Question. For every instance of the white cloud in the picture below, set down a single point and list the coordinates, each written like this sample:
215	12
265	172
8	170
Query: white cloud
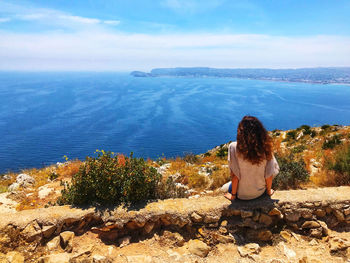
99	50
4	19
79	19
112	22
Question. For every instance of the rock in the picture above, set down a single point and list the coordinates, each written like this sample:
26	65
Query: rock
289	253
224	223
5	177
56	258
292	215
265	235
44	191
175	256
14	257
100	259
124	241
339	215
347	211
67	240
265	219
336	244
212	218
175	237
245	213
224	239
13	187
198	248
196	218
32	232
223	230
324	227
316	232
25	180
310	259
306	213
285	235
48	230
275	260
54	243
276	212
313	242
320	213
310	224
149	227
256	216
249	249
139	259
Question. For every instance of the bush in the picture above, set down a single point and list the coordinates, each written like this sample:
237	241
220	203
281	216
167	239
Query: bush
291	135
341	165
110	180
168	189
332	142
298	149
291	174
222	152
325	127
190	158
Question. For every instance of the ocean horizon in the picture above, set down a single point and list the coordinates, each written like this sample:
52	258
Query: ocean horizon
46	115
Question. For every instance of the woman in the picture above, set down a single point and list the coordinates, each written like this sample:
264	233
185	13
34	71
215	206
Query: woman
251	162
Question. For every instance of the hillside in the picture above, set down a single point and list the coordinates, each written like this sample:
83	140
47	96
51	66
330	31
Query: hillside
311	75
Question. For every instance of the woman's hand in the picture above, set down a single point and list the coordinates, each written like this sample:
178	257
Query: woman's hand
230	196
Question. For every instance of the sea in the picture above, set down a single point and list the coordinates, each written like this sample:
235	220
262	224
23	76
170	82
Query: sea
44	116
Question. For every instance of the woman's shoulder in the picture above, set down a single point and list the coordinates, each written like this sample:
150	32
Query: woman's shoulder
232	145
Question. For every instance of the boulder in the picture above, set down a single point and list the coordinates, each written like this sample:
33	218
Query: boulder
310	224
198	248
13	187
265	219
56	258
25	180
292	215
48	230
32	231
196	217
53	244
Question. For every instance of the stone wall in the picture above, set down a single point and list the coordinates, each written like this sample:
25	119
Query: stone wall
310	212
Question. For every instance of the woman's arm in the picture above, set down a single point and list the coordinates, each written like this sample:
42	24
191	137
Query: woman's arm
231	196
269	190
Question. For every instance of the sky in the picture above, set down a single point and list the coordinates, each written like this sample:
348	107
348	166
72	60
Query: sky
124	35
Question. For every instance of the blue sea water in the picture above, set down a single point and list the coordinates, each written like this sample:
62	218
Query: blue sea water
44	116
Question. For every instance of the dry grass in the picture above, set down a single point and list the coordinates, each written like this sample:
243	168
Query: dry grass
219	178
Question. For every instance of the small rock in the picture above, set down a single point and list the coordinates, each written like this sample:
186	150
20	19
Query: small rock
310	224
245	213
224	223
56	258
316	232
324	227
224	239
44	191
320	213
14	257
48	230
289	253
292	216
211	218
347	211
100	259
256	216
149	227
13	187
275	260
32	231
276	212
196	218
175	237
285	235
265	235
139	259
198	248
249	249
53	244
336	244
339	215
124	241
313	242
67	240
306	213
265	219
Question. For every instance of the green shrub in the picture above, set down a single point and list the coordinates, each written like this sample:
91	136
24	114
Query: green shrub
325	127
332	142
298	149
110	180
222	152
291	174
291	135
207	154
341	165
190	158
313	133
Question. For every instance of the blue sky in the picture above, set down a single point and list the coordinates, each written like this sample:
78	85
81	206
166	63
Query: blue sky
142	34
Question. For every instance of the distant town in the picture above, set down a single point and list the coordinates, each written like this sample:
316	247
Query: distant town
335	75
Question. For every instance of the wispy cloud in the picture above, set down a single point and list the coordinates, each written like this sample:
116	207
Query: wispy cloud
49	17
115	51
4	19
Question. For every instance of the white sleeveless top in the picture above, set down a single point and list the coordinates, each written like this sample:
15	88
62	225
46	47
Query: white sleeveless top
251	176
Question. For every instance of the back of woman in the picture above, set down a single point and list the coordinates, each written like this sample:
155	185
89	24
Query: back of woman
251	161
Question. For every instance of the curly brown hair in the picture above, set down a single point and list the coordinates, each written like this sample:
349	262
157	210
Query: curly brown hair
253	141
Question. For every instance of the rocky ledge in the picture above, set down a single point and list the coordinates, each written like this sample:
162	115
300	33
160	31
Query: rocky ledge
211	219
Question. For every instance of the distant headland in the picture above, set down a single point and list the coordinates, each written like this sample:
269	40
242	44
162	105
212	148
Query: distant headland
329	75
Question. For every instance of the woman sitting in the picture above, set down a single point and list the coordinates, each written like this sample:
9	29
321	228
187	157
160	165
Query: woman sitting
251	162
